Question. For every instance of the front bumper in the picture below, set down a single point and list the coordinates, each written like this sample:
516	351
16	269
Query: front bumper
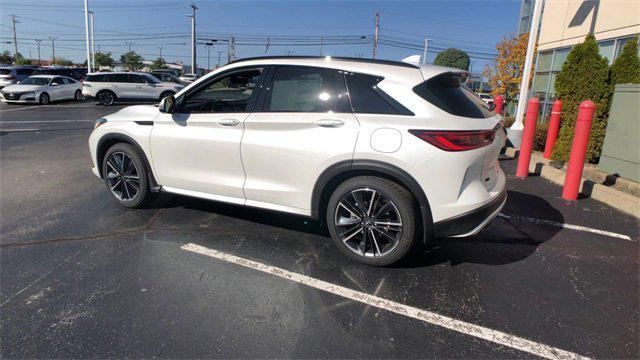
471	222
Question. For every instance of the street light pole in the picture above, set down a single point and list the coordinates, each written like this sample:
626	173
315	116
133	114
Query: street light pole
93	44
160	47
86	34
219	53
38	42
514	133
424	56
193	39
53	49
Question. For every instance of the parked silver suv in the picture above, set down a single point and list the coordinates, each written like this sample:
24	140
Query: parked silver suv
12	74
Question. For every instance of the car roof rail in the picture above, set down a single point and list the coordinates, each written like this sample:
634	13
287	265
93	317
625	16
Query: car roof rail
354	59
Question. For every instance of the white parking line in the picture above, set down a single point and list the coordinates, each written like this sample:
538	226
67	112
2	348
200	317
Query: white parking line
463	327
43	121
22	108
565	226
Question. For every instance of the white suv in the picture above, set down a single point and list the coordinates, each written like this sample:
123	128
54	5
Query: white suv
388	154
109	88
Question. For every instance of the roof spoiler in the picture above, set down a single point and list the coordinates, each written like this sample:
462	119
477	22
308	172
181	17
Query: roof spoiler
413	60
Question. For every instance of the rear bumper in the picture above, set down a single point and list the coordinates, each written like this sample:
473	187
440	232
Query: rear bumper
471	222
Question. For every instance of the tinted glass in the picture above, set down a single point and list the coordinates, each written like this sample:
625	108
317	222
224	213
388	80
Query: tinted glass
445	92
24	71
365	95
5	72
99	78
303	89
120	78
57	80
138	79
230	93
35	81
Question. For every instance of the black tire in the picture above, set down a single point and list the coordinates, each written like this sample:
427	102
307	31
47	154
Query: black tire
143	194
106	97
166	94
44	99
78	95
393	200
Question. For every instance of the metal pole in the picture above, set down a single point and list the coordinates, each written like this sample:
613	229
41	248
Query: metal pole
375	34
321	46
424	55
93	44
38	42
129	44
219	53
86	34
194	66
515	131
208	57
160	47
53	50
15	39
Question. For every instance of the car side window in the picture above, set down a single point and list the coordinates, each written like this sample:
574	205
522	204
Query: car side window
367	98
307	89
228	94
57	80
137	79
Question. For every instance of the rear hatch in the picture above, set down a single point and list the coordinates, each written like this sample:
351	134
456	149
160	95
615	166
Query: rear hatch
476	125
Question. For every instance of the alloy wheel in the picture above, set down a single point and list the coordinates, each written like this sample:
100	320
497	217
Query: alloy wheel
123	176
106	98
368	222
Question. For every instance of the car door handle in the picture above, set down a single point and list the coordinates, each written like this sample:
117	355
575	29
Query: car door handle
329	123
228	122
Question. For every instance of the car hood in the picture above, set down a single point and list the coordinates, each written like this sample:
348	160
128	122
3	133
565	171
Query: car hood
134	113
22	88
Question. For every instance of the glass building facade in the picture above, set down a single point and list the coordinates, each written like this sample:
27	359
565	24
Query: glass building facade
549	63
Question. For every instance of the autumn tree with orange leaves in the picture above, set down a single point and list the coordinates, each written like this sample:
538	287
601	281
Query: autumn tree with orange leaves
505	73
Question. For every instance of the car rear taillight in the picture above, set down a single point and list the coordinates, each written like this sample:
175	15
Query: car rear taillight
452	140
10	78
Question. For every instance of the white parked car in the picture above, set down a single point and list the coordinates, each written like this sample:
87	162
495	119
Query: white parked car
189	77
486	98
42	89
111	87
388	154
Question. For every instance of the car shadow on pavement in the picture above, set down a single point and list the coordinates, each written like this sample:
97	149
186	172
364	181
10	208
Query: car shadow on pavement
504	241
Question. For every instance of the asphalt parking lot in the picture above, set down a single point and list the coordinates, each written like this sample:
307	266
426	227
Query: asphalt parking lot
81	277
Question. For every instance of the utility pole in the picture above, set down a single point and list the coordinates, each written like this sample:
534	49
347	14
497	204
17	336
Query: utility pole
53	49
93	44
15	39
376	32
209	46
219	53
321	46
86	33
194	66
129	44
424	55
38	42
160	47
514	133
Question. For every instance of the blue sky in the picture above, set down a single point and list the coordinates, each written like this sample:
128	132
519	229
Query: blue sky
474	26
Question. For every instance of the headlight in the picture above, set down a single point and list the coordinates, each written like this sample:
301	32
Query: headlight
99	122
29	93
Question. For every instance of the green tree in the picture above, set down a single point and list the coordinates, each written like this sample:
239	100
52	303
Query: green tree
63	62
626	68
131	61
6	58
454	58
584	76
23	61
158	63
104	59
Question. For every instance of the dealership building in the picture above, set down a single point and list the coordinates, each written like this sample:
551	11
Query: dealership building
565	23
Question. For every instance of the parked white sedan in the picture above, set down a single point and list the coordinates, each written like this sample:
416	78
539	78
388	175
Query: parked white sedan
42	89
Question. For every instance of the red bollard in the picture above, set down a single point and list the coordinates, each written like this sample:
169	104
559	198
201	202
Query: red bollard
498	101
554	126
578	150
528	135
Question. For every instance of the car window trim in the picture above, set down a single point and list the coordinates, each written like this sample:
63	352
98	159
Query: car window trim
252	99
261	107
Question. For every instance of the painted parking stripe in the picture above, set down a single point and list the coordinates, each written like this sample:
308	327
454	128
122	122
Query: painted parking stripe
463	327
565	226
22	108
43	121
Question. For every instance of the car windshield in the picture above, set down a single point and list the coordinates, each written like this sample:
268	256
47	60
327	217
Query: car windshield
35	81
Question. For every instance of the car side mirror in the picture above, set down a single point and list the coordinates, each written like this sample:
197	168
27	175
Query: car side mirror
54	84
168	105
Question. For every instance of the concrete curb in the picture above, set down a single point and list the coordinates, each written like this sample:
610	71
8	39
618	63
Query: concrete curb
620	200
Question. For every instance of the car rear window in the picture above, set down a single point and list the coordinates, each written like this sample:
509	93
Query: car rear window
5	72
446	92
